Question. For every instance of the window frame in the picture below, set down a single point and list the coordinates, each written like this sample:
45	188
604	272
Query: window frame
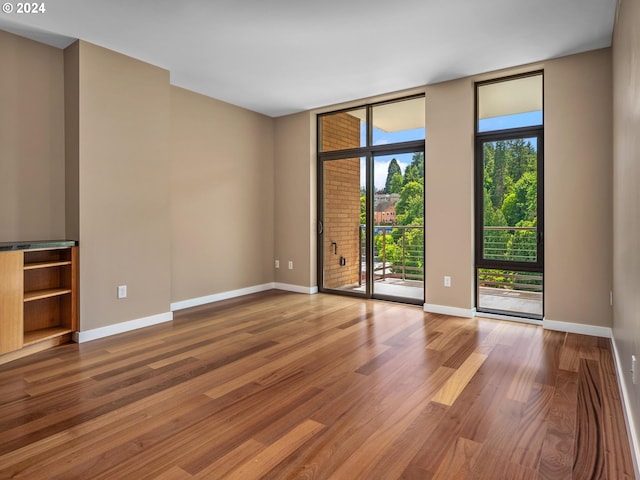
480	138
369	152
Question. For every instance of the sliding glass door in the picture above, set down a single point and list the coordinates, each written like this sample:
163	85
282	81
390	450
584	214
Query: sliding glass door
371	201
398	226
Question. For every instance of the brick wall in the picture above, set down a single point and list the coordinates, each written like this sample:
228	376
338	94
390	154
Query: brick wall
341	202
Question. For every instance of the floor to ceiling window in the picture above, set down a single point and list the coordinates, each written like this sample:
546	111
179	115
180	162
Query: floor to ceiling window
509	194
371	200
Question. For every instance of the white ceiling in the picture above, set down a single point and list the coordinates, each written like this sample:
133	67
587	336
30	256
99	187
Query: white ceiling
283	56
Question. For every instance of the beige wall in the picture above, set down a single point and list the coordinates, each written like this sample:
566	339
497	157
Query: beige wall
127	133
124	214
449	194
626	195
72	140
295	199
32	164
577	182
222	196
578	188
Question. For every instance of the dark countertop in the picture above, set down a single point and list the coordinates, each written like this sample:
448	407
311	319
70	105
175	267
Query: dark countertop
5	246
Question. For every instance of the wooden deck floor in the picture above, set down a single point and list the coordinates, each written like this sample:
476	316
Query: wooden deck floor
282	385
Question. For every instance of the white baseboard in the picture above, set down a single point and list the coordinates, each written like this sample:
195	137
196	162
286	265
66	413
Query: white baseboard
453	311
628	414
94	334
581	328
216	297
296	288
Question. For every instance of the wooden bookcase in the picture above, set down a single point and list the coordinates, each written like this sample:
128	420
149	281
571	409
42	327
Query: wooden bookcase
39	298
49	293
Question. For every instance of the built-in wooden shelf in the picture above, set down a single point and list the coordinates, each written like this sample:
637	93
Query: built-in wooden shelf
36	336
33	266
40	294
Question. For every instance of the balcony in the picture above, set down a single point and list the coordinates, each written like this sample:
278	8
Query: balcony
510	292
398	262
398	267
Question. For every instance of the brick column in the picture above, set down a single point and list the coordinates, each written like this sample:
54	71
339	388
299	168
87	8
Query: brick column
341	202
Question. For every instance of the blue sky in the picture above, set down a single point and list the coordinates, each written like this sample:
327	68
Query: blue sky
381	165
526	119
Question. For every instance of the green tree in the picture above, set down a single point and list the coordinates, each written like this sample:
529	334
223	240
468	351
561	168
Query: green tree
393	169
410	206
415	170
396	183
522	243
413	241
500	182
520	205
505	162
388	250
522	158
493	217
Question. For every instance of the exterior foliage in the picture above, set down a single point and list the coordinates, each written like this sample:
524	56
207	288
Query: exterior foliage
392	171
510	199
401	247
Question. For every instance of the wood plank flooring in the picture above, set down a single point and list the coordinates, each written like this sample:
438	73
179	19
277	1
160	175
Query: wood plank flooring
281	385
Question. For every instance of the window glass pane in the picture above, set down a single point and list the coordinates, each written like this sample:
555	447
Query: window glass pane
343	130
344	224
398	230
401	121
510	200
510	292
510	104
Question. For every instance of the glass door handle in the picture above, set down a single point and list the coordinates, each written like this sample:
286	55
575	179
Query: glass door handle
320	227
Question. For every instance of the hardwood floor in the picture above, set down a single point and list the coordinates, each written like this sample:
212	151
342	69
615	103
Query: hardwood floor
281	385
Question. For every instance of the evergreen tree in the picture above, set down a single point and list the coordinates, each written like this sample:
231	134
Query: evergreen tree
500	183
393	169
522	158
520	205
397	181
415	170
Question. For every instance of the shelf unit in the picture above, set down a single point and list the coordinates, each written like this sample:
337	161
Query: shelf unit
49	293
38	298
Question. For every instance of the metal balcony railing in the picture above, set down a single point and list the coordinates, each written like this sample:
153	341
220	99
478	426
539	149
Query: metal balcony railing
514	244
523	282
398	252
510	243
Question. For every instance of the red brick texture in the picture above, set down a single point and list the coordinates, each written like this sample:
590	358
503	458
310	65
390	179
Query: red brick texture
341	202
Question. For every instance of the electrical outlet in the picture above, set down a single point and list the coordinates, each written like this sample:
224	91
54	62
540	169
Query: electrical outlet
634	370
447	281
122	291
290	264
277	263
